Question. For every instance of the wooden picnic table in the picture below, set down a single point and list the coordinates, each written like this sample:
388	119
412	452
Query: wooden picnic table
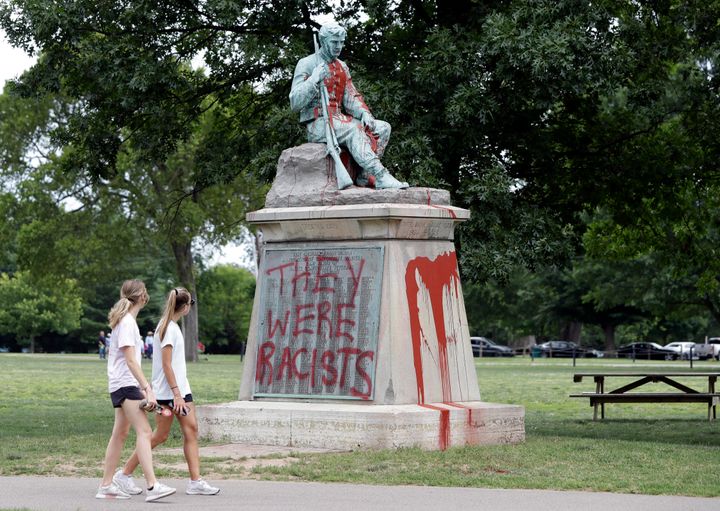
621	394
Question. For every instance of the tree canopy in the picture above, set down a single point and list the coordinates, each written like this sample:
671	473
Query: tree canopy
534	113
33	308
228	293
529	111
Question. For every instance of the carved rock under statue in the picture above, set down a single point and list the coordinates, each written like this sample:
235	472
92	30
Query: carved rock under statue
358	336
306	177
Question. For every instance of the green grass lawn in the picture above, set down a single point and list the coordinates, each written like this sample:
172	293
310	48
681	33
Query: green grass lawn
55	418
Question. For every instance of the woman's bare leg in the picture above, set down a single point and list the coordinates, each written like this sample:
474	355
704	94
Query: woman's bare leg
143	447
120	431
159	436
189	427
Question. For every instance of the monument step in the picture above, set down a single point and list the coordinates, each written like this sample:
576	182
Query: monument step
334	425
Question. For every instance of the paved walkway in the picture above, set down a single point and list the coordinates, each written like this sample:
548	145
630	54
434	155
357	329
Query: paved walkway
77	494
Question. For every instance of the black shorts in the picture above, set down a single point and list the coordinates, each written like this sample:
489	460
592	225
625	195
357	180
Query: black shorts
123	393
169	402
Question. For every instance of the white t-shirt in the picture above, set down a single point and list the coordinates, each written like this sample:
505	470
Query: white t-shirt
125	333
174	338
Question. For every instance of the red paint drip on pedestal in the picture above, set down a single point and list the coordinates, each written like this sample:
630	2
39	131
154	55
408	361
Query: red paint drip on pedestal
449	211
439	277
464	407
444	436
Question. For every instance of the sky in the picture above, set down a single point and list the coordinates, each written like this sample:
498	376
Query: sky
12	61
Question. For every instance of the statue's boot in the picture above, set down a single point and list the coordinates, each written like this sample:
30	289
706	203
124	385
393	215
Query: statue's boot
365	179
383	179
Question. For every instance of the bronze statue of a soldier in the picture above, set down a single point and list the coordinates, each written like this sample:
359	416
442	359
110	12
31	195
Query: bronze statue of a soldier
331	107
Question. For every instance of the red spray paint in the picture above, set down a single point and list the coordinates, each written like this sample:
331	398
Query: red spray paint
464	407
448	210
444	435
439	277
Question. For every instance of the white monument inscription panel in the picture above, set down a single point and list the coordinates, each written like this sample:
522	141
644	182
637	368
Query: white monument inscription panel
318	323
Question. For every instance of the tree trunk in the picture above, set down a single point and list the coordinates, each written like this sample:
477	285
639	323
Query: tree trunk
571	331
32	344
609	331
184	267
712	307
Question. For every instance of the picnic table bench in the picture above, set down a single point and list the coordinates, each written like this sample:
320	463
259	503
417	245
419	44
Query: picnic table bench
621	394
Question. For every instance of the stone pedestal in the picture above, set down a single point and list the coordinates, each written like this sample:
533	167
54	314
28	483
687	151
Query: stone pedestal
359	337
345	426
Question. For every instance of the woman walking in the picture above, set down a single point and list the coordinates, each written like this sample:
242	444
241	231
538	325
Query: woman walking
128	387
169	378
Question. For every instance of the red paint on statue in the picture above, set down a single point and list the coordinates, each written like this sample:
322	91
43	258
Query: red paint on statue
335	84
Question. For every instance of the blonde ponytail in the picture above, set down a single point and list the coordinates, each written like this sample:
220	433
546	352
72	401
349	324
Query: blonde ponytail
131	292
176	299
119	310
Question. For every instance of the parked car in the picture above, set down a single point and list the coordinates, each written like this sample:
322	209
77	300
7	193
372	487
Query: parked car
646	350
710	349
483	347
564	349
684	350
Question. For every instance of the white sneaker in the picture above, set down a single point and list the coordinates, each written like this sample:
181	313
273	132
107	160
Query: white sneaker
111	491
159	491
126	483
201	487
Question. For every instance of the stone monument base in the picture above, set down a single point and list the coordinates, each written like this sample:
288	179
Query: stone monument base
350	426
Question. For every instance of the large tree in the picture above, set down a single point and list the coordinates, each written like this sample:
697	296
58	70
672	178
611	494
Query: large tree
103	230
165	198
416	61
600	292
31	307
530	111
679	238
228	293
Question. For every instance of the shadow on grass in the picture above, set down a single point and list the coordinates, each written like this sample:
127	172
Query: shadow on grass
666	431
